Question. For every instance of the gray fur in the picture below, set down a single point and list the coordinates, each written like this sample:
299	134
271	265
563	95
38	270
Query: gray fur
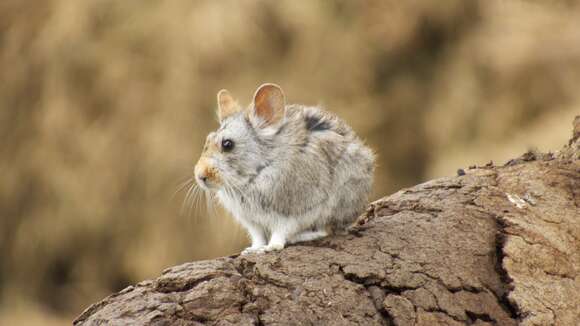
309	176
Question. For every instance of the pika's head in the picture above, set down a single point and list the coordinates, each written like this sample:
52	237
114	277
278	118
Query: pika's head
235	154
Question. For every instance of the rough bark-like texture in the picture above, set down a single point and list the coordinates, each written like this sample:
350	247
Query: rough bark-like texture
498	245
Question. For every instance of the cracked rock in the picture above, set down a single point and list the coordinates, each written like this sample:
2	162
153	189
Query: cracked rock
452	251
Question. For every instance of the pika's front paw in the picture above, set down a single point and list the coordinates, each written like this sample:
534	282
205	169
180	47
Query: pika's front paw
253	250
262	249
273	247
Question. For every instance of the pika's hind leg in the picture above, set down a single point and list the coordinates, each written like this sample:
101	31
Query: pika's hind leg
353	185
308	236
352	201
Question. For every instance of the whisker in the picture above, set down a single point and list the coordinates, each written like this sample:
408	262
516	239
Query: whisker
186	199
208	202
182	186
192	200
193	203
215	202
196	201
233	188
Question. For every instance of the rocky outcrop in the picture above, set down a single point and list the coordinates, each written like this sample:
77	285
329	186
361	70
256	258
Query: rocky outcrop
494	245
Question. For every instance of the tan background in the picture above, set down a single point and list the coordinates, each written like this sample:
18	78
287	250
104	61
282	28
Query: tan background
104	106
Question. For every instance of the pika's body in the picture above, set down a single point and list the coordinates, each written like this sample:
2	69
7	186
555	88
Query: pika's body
287	173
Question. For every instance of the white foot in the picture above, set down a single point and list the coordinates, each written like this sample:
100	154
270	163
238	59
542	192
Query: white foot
262	249
253	250
273	247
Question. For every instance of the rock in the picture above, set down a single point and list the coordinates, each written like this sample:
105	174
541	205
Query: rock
498	245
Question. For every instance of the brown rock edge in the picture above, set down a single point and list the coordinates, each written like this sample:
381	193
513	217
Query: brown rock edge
496	245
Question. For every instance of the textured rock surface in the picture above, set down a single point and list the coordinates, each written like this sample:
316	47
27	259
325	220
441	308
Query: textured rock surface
498	245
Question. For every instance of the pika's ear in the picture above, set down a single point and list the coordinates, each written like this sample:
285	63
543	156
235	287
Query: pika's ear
269	104
226	105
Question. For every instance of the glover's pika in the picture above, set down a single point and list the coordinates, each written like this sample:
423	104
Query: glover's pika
287	173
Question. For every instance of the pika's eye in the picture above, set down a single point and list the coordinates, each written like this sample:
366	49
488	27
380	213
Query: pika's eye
227	145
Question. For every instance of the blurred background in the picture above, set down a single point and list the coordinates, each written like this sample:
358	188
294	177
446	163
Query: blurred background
104	108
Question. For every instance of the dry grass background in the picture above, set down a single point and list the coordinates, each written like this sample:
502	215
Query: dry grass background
104	106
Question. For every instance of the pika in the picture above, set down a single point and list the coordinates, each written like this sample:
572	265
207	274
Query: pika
287	173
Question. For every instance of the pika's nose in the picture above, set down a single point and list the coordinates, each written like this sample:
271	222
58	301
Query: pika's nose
204	173
201	176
